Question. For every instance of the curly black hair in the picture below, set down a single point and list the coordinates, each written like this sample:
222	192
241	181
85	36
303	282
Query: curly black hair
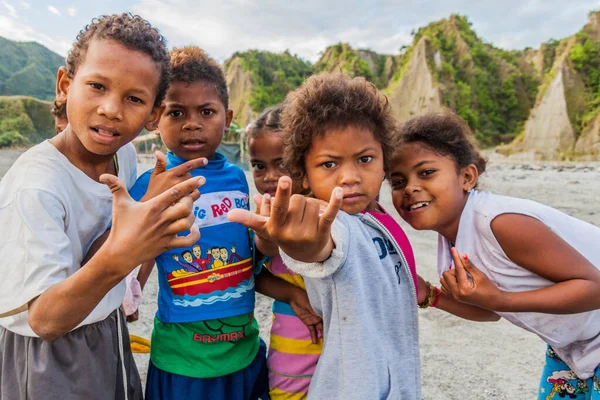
133	32
268	121
191	64
329	101
446	134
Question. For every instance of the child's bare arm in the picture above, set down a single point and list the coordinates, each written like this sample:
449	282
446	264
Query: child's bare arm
463	310
269	285
144	273
140	231
536	248
278	289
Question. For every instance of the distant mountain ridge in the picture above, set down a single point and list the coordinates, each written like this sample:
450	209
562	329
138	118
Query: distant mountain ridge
544	102
28	69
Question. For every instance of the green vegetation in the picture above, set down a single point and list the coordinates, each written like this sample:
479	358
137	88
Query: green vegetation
24	120
483	84
585	59
273	75
342	57
27	69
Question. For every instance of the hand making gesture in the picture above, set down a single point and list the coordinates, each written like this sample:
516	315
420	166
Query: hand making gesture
467	284
162	179
296	223
141	231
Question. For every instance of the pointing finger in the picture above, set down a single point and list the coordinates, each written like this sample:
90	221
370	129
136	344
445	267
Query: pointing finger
174	194
461	274
332	209
248	219
280	206
189	166
161	163
186	241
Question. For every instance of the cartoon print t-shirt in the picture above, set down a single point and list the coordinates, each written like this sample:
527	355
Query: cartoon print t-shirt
213	278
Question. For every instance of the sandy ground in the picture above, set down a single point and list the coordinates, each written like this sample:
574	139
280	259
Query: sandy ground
459	359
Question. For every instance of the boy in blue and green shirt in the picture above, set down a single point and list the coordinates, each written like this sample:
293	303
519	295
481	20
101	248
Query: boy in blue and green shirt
205	341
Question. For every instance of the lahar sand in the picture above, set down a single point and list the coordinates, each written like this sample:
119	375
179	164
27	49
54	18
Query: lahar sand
459	359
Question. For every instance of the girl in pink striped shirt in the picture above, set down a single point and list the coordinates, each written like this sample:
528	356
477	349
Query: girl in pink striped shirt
294	350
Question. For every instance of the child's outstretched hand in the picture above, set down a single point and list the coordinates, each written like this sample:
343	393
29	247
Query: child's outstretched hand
142	231
296	223
162	180
303	310
468	284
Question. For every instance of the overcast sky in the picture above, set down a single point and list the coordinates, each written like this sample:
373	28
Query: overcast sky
305	28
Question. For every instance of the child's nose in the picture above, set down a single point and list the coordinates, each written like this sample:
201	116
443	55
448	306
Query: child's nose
349	175
192	124
111	107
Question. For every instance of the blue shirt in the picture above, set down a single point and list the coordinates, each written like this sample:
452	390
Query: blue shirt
212	279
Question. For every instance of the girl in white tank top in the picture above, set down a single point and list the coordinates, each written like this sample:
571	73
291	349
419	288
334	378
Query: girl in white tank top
501	256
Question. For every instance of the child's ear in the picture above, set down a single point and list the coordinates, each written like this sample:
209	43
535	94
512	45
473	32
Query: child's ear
305	184
228	118
63	82
152	123
470	177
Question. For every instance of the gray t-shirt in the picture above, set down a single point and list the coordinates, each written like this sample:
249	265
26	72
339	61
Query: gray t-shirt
366	296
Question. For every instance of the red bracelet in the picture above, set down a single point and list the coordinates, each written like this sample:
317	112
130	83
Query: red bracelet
438	292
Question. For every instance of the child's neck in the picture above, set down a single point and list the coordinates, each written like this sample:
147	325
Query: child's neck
93	165
450	230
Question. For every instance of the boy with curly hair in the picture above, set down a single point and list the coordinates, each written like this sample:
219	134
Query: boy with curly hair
61	332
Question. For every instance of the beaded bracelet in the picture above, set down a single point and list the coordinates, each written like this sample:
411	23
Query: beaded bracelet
433	297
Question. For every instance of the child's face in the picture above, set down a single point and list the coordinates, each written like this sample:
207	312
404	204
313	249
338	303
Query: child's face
266	158
111	97
348	157
427	190
194	120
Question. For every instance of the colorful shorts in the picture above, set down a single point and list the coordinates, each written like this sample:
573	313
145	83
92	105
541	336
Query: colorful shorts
559	382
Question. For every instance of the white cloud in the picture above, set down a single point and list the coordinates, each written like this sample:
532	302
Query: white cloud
71	11
54	10
25	5
307	28
11	10
16	30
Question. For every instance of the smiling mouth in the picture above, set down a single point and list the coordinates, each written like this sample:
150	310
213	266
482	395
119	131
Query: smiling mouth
418	206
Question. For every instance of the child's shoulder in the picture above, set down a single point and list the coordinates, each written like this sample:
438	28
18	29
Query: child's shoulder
40	167
489	205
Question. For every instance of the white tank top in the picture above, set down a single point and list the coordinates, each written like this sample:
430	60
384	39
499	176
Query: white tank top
574	337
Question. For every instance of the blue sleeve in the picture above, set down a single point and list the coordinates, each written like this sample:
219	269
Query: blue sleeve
139	188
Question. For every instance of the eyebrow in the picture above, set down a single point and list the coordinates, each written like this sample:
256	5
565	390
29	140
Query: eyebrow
366	149
259	160
420	164
417	165
105	78
179	105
